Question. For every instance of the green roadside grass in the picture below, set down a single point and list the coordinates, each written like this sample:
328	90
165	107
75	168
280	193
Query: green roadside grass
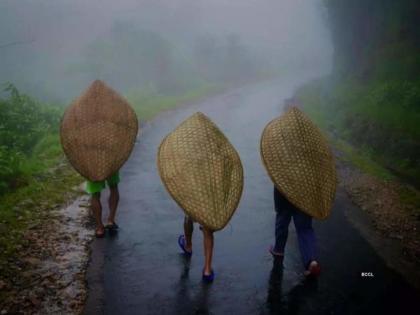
51	184
362	160
149	105
328	120
372	105
48	181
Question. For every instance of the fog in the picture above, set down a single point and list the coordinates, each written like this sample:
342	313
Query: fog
52	49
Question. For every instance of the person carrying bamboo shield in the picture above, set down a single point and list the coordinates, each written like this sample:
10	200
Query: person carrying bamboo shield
300	163
203	173
98	132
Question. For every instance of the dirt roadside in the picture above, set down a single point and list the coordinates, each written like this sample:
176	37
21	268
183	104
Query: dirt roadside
384	220
389	224
49	275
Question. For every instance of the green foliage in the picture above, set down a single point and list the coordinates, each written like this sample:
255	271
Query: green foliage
372	99
148	103
411	196
392	104
10	164
375	38
133	58
380	120
29	139
31	204
363	159
36	166
310	96
24	123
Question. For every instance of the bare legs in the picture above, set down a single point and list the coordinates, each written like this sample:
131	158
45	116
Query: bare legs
114	197
188	231
95	204
208	242
208	250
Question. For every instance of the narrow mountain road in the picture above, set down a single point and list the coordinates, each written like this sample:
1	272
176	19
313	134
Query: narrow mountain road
141	271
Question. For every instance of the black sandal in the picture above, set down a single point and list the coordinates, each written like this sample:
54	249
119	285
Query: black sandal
112	227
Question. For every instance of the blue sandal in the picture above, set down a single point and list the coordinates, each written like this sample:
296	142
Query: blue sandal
112	226
208	278
181	243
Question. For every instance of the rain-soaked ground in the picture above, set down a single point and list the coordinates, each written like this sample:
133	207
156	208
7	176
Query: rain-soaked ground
141	271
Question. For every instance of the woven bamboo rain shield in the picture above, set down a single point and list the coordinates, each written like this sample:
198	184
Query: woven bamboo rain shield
202	171
98	132
300	163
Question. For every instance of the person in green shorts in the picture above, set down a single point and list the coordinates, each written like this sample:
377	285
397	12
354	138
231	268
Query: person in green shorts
94	189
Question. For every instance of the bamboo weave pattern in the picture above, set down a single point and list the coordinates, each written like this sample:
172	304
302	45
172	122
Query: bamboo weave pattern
98	132
202	171
300	163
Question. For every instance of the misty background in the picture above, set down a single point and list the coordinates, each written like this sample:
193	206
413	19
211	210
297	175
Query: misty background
360	59
358	62
53	49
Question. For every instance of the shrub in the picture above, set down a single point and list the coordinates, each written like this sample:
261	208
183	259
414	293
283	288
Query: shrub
24	122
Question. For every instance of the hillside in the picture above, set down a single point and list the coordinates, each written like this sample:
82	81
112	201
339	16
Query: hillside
372	98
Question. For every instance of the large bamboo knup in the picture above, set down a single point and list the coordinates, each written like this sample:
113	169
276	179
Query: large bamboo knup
202	171
98	132
300	163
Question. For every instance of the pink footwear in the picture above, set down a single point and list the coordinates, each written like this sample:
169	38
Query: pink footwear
314	269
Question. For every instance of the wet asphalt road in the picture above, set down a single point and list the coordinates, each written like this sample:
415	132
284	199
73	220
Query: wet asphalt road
141	271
